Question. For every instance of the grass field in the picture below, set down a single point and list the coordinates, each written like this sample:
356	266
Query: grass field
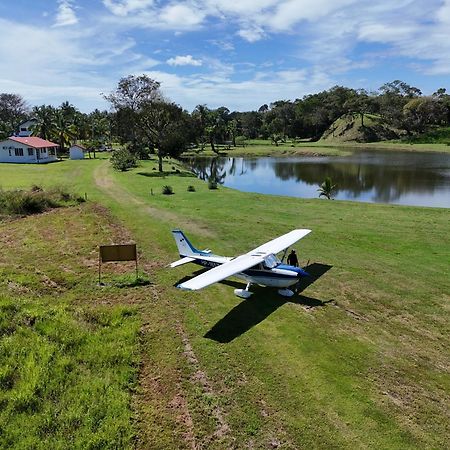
261	147
359	359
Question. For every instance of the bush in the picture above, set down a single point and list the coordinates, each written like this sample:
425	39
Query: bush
167	190
191	188
35	201
123	160
212	184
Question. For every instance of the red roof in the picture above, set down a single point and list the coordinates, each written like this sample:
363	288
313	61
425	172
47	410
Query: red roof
33	141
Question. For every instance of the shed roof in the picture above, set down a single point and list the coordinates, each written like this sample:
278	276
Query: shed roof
33	141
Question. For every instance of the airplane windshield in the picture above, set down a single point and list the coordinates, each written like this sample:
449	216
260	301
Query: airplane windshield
271	261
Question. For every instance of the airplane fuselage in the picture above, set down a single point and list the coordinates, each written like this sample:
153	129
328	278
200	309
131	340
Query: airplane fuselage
281	276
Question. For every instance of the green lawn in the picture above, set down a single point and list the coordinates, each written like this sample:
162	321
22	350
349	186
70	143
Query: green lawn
261	147
358	359
69	355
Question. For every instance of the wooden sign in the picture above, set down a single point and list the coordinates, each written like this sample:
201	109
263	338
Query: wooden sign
125	252
109	253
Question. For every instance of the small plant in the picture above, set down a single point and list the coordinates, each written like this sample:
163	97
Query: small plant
327	188
212	184
191	188
167	190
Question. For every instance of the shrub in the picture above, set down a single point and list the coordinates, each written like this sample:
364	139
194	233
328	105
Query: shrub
35	201
191	188
212	184
123	160
167	190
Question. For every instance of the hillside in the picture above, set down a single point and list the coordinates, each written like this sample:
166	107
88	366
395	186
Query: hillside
348	128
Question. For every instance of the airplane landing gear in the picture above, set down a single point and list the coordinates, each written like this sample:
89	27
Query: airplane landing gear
285	292
243	293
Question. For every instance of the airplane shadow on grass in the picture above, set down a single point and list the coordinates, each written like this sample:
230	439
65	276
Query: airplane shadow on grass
264	302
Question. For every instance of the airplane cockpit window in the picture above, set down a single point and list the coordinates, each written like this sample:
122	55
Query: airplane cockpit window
271	261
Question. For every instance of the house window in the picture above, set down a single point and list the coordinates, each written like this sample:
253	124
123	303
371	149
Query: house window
30	151
18	151
9	152
43	150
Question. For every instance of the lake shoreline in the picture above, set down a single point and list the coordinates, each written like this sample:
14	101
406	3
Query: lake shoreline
367	176
317	149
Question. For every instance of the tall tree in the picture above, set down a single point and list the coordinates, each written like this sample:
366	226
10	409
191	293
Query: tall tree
160	123
129	97
13	111
45	125
164	125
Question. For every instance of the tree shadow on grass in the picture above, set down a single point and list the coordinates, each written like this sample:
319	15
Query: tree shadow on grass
264	302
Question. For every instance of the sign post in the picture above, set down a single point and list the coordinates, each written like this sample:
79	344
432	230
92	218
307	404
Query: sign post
107	253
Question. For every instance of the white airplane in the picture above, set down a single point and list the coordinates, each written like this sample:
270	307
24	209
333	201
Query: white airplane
259	266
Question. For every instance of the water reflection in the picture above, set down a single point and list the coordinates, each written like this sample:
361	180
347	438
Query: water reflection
421	179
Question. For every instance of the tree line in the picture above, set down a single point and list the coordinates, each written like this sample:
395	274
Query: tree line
147	122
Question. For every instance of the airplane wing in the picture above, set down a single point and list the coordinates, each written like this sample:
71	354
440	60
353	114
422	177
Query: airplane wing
243	262
280	243
221	272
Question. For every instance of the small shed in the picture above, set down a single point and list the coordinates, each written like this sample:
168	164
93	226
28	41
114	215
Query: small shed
76	151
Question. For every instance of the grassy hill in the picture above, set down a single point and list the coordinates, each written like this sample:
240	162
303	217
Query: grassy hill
349	128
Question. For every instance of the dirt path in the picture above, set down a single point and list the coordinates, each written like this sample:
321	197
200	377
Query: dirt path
152	393
105	182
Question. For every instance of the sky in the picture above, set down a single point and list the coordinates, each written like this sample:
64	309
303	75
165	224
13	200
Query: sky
235	53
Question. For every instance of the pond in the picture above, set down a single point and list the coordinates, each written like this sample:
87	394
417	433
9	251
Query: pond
404	178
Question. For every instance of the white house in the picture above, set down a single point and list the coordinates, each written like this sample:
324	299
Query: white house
31	149
26	128
76	151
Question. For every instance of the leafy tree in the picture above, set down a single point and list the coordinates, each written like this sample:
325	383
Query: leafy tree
393	97
251	123
360	103
165	127
420	113
131	94
13	111
444	99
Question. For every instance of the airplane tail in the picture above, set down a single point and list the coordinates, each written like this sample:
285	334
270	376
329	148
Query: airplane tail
185	248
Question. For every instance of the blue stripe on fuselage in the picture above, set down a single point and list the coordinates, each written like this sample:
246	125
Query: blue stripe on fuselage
299	270
257	272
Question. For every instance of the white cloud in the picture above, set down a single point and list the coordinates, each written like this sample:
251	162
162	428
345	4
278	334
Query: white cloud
66	14
311	45
291	12
251	34
181	16
263	87
187	60
443	13
125	7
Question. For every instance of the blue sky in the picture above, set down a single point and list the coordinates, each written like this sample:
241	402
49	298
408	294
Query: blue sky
240	54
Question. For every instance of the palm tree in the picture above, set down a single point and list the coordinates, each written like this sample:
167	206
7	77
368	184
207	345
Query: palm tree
45	121
327	188
64	131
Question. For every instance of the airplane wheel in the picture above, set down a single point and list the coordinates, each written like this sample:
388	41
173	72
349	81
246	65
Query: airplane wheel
243	293
285	292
